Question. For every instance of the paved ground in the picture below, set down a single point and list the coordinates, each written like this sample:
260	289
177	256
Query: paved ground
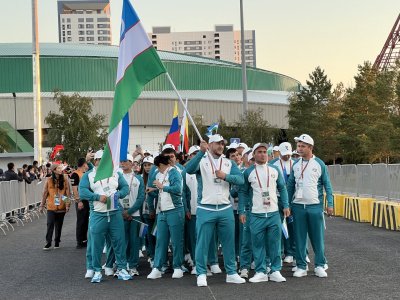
364	263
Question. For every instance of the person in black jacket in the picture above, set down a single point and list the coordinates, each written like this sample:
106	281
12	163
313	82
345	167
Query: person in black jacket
2	175
10	173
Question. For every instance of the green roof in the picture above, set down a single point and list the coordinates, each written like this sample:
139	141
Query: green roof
77	67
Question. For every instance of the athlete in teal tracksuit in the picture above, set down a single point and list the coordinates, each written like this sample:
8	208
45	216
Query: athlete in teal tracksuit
308	179
214	210
170	218
106	217
261	182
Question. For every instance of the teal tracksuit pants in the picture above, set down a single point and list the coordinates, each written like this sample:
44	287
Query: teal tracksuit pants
150	240
246	250
309	219
266	232
89	264
170	223
112	224
208	222
133	242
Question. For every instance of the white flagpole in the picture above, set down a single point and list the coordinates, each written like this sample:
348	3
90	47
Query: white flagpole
184	126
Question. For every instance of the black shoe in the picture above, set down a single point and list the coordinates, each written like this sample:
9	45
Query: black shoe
47	247
56	245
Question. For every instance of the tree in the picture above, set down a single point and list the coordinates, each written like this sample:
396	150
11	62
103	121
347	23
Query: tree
308	109
4	145
75	127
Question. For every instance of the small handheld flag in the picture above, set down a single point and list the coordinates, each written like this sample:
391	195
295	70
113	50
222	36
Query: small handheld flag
211	128
112	202
154	229
285	230
143	230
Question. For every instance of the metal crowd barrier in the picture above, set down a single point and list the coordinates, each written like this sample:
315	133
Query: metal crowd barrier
380	181
19	202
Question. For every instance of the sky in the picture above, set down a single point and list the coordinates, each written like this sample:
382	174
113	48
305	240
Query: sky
293	37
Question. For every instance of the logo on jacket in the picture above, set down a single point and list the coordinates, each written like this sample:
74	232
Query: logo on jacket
272	175
314	169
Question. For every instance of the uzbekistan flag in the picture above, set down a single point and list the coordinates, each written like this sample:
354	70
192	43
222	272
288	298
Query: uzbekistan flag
143	230
138	63
173	135
184	147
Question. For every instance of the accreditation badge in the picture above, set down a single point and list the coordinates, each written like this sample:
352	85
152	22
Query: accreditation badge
125	203
266	198
299	189
57	200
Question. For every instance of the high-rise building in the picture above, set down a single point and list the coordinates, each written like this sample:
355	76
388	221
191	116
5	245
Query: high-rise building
84	22
223	43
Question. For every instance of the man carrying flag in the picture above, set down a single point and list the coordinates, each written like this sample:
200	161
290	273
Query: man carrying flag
138	63
106	218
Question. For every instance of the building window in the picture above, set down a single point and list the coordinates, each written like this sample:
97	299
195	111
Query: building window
63	33
216	34
69	39
216	46
81	39
89	11
68	32
63	20
81	32
154	42
217	57
216	41
80	11
81	26
89	32
153	36
217	52
64	40
63	27
90	39
103	25
89	26
204	36
69	26
103	19
68	20
103	38
81	20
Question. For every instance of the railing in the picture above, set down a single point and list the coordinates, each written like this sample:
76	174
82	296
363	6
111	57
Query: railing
379	181
19	202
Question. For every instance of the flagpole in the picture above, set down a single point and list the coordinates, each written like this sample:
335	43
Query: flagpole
184	107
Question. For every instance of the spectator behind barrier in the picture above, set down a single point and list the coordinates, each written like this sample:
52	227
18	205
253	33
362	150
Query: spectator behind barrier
2	175
10	173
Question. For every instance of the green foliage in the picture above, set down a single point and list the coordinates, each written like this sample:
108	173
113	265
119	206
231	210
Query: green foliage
75	127
4	145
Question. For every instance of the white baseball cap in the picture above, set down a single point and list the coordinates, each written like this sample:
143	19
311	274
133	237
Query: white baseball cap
276	148
242	145
168	146
250	157
305	138
285	148
193	149
147	151
98	154
216	138
258	145
295	152
148	159
232	146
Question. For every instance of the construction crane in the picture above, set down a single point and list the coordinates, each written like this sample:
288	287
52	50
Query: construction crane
391	50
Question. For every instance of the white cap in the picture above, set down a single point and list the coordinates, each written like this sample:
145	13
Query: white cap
148	159
276	148
258	145
147	151
98	154
129	157
216	138
232	146
285	148
155	154
295	152
246	150
168	146
193	149
305	138
242	145
250	157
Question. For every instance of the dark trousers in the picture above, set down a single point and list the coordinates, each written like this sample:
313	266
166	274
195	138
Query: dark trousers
82	222
55	221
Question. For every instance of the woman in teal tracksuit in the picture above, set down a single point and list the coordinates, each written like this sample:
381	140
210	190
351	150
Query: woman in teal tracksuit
171	216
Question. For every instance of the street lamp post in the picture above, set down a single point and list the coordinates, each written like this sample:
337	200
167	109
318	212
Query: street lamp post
244	75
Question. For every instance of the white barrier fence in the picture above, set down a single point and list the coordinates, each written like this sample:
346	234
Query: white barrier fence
379	181
19	202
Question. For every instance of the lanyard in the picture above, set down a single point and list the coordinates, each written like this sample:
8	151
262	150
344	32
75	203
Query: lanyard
258	178
303	169
165	176
130	184
212	164
283	168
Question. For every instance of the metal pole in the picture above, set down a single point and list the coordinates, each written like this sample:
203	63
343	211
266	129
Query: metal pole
244	75
15	120
37	116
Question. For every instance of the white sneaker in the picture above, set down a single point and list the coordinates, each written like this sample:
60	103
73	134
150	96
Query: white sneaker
288	259
151	263
215	269
178	273
300	273
141	253
294	263
259	277
277	277
155	273
268	270
307	259
202	280
133	272
294	269
124	275
320	272
193	272
253	265
89	274
234	278
244	273
326	267
96	277
108	271
209	272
